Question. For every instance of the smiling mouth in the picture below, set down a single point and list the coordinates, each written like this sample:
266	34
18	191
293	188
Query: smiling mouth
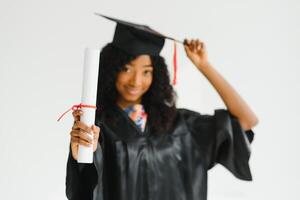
133	91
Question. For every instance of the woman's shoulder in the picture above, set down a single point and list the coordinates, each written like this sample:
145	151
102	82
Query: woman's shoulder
199	120
188	113
192	113
194	118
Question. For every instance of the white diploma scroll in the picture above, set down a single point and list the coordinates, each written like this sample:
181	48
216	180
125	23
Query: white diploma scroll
89	96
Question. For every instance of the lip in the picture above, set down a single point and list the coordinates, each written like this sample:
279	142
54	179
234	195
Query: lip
133	91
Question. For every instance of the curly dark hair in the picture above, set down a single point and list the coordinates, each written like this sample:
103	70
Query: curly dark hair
159	101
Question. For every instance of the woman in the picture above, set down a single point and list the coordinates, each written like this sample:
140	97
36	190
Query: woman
147	148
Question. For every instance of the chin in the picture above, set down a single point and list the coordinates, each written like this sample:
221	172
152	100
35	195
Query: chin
131	98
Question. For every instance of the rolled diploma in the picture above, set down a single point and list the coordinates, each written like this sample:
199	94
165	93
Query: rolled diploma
89	96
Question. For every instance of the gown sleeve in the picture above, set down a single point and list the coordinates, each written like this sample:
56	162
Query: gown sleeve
221	139
81	179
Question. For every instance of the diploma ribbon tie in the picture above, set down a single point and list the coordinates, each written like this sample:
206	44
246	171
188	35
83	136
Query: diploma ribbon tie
76	107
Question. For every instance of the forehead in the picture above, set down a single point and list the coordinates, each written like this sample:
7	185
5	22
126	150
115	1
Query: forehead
141	60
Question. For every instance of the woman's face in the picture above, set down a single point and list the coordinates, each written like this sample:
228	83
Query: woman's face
134	81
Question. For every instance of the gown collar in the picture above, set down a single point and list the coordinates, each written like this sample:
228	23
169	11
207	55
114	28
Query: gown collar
124	116
137	114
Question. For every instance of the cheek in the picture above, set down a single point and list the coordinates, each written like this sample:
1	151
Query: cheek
120	82
148	82
123	78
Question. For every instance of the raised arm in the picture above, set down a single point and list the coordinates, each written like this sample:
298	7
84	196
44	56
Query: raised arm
196	52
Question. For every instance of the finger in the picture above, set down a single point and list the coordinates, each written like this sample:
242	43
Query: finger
74	133
86	137
75	140
76	114
186	47
192	42
96	131
96	137
75	127
83	126
198	44
203	46
194	45
188	43
185	41
84	143
187	50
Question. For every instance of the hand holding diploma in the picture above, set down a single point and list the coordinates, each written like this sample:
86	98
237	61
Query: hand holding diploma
83	130
82	134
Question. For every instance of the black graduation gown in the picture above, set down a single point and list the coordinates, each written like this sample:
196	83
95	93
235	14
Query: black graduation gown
131	165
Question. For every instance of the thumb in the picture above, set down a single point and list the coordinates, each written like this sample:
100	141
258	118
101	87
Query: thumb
96	131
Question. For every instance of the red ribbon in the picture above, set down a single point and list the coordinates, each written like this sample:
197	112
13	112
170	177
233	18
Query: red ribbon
174	65
76	107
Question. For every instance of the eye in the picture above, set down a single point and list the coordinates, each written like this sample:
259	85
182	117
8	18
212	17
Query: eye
148	72
125	69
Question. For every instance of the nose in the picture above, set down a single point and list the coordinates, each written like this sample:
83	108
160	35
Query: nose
136	79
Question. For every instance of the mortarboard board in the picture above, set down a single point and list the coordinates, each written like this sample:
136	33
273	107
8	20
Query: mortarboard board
137	39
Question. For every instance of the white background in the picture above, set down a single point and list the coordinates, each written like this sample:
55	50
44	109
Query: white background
253	44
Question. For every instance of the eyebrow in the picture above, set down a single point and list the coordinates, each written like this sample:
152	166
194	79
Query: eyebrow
149	65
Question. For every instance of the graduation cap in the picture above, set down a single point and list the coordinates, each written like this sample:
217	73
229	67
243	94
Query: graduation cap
137	39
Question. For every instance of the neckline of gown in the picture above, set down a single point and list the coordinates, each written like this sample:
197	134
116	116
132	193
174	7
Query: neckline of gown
125	115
